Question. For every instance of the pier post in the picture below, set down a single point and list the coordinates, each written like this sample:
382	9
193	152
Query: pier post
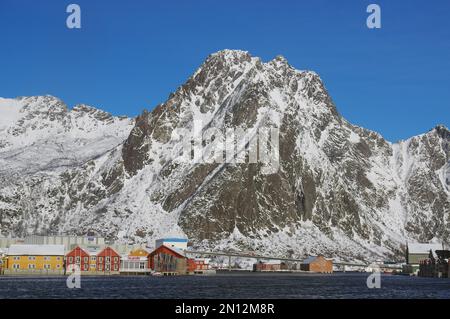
229	263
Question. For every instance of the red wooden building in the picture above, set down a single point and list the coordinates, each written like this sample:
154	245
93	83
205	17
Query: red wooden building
78	256
108	260
201	264
169	260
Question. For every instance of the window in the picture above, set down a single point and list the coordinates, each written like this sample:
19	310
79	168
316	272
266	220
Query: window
142	265
115	267
58	266
16	257
77	259
31	266
100	259
46	266
116	259
108	259
70	259
31	257
100	267
86	259
46	258
16	266
86	267
93	258
58	258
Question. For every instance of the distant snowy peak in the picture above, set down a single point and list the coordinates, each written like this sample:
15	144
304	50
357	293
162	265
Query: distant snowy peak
40	131
43	115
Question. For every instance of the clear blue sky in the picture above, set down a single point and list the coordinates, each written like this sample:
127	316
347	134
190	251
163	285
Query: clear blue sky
130	55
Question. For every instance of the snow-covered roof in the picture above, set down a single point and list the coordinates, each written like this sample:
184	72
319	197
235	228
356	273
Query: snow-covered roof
309	260
270	262
36	250
417	248
176	250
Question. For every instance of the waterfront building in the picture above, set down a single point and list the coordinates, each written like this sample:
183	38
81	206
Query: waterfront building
108	261
415	252
135	262
169	260
436	265
103	261
2	260
80	258
270	265
202	263
199	266
35	258
317	264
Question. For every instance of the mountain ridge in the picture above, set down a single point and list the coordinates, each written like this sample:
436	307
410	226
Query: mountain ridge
341	190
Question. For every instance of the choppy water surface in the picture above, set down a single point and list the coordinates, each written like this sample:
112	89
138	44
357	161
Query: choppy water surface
250	285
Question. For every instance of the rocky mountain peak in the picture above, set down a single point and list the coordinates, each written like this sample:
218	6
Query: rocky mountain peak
340	190
442	131
83	109
230	56
46	104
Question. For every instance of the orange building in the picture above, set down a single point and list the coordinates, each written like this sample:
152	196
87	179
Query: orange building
317	264
271	265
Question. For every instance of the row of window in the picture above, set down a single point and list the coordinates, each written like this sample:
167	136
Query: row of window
86	259
133	265
46	258
33	266
58	266
100	267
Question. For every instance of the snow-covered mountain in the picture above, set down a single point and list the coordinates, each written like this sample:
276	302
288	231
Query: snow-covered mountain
340	190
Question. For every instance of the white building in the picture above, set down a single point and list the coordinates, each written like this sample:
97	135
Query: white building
135	262
173	242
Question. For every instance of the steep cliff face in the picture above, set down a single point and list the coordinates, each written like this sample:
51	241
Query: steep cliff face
331	188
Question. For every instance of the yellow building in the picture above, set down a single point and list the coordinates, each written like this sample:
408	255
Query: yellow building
30	258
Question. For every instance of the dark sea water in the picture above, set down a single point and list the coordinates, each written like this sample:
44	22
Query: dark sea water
250	285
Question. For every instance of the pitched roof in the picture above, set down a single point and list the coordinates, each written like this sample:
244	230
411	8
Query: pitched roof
270	262
175	250
309	260
36	250
417	248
